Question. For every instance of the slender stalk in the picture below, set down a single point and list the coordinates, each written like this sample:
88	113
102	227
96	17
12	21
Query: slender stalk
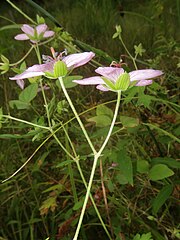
105	197
163	131
70	169
42	89
24	121
76	115
133	59
45	104
96	157
28	160
92	200
21	12
24	57
76	159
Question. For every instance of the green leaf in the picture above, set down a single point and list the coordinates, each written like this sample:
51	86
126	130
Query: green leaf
49	203
63	164
160	171
145	236
29	93
34	79
19	104
62	106
144	99
118	29
39	19
123	82
171	162
101	120
4	59
161	198
125	166
129	122
131	94
110	185
58	187
68	81
121	179
115	35
139	50
104	110
60	69
142	166
78	205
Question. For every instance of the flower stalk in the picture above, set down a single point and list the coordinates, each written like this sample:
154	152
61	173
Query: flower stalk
76	115
96	157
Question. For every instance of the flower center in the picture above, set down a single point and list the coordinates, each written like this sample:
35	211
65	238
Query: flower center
55	56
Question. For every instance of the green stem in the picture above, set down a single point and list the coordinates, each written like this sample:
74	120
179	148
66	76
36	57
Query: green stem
92	200
36	47
163	131
28	160
23	121
96	157
22	59
45	104
61	145
21	12
85	183
76	115
133	59
70	169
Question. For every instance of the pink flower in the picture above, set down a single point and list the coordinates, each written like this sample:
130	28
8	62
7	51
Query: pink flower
112	74
34	34
20	83
72	61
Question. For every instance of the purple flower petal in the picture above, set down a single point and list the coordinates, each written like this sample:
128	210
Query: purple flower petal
41	28
90	81
73	60
78	59
144	83
102	88
20	83
27	29
48	34
21	37
144	74
111	73
46	67
27	74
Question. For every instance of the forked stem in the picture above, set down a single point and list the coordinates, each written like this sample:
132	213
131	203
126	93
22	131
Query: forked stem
96	157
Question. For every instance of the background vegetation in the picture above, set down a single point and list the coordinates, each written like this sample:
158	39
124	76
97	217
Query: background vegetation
140	165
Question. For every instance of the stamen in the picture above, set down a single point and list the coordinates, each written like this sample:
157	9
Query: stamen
113	64
47	58
53	52
61	54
